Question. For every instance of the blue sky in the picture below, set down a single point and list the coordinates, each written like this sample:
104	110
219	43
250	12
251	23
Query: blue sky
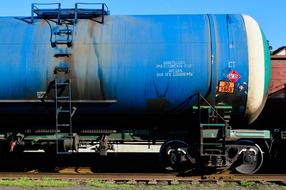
270	14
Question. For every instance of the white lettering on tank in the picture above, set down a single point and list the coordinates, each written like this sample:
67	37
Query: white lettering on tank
172	68
231	64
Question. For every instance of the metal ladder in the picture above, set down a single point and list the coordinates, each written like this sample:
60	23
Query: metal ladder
62	38
213	123
63	35
62	42
62	23
64	113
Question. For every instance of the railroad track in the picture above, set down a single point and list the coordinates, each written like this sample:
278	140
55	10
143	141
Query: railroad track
84	174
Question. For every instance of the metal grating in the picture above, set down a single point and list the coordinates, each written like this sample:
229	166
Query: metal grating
39	10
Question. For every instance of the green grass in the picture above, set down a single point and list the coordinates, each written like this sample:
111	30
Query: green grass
46	182
248	184
26	183
101	184
104	185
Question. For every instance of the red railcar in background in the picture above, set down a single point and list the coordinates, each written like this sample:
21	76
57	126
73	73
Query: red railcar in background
278	76
273	116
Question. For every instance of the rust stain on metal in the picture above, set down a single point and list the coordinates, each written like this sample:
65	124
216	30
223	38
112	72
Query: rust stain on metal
42	22
87	62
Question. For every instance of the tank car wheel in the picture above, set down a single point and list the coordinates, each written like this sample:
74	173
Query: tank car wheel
173	156
250	157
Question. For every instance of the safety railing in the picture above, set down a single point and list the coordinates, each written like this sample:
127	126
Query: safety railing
81	10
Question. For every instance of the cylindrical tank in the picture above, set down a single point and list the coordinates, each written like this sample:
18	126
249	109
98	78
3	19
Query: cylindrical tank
143	63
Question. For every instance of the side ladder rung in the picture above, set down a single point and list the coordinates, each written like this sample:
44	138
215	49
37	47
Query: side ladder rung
213	144
219	125
63	97
63	111
62	55
62	83
63	31
63	125
63	41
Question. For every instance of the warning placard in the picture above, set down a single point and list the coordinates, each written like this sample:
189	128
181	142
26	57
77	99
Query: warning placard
233	76
226	87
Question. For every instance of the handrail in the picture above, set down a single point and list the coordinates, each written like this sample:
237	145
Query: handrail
34	7
103	6
76	11
213	109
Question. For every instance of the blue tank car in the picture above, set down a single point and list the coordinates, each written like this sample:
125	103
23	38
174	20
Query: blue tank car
83	67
